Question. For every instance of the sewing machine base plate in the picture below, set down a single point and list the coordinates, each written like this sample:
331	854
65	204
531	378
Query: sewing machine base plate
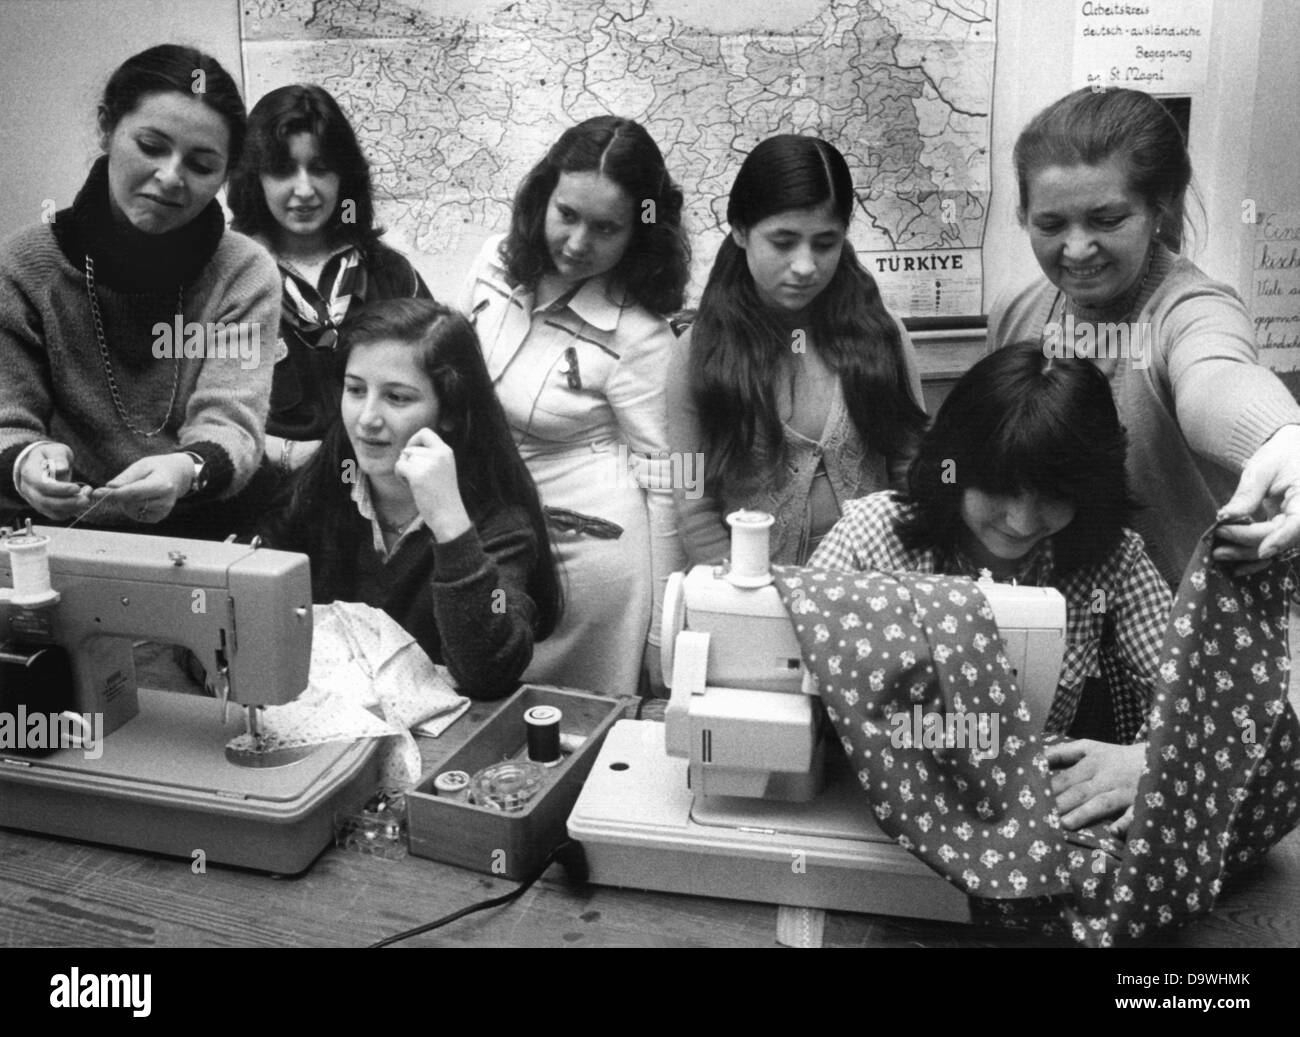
641	828
162	783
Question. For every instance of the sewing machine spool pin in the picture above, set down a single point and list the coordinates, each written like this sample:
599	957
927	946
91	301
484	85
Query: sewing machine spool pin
29	552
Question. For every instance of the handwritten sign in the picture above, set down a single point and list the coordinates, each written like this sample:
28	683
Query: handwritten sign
1160	46
1276	290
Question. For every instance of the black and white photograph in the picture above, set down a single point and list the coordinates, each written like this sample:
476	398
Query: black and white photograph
661	474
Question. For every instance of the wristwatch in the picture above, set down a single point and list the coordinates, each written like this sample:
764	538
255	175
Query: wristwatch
200	480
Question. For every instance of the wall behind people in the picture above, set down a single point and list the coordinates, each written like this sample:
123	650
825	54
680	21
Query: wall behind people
1245	123
54	61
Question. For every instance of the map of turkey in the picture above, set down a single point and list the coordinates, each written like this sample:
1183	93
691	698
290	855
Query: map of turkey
454	100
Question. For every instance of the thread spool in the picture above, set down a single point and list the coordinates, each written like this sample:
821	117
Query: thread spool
750	556
543	725
30	562
451	783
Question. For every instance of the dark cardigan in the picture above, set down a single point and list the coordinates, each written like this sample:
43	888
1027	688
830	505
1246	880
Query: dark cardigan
466	601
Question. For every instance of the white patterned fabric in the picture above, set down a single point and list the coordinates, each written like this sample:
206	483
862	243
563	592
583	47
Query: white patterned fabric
369	679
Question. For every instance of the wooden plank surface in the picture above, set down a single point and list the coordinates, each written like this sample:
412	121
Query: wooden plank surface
62	893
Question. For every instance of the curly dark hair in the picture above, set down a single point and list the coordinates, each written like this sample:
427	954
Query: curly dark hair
656	265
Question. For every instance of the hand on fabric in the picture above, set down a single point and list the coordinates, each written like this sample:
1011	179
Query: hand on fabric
147	490
1271	478
1094	780
45	482
428	466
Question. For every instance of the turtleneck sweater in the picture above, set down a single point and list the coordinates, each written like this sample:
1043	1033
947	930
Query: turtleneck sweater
56	383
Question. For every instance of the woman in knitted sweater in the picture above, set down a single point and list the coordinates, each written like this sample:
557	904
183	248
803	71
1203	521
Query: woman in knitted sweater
135	331
1102	179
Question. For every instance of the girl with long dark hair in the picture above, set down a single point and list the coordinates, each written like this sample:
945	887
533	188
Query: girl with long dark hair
794	386
418	503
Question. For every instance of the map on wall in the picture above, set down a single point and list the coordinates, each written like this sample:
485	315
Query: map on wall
455	100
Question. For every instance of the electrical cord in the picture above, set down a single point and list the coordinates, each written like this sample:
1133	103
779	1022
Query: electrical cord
568	847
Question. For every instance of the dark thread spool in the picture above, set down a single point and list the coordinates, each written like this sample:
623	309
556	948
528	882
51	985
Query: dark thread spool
543	726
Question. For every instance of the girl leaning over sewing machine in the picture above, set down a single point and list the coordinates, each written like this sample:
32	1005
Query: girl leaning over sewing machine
1021	479
418	503
303	191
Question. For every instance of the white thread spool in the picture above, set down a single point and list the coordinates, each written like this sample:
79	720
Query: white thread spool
749	548
29	554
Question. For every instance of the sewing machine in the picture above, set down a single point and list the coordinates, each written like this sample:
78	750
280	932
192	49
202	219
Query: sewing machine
738	794
149	769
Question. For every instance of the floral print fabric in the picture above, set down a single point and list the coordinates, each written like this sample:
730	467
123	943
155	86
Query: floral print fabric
1222	777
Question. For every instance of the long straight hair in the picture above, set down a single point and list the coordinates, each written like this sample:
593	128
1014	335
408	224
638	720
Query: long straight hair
739	352
489	471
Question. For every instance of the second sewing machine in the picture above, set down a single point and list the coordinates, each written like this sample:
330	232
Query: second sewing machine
736	794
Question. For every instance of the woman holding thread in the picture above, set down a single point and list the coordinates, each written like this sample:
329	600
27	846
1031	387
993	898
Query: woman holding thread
1021	479
571	309
1103	179
795	386
304	192
417	501
132	325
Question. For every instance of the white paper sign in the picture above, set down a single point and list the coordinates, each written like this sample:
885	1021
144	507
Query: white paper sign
1276	290
1160	46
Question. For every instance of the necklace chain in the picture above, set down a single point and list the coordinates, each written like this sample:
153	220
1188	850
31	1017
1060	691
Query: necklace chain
108	364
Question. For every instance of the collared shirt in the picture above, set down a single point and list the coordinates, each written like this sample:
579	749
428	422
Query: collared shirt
361	497
1116	610
585	369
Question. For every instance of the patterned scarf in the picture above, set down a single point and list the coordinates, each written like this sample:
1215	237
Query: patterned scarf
314	317
1222	771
